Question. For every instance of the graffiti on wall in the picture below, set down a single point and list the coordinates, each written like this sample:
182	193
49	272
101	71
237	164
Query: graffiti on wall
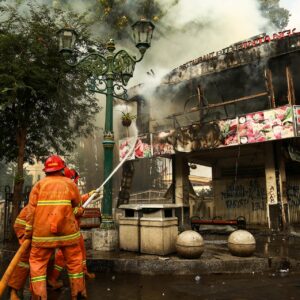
293	194
241	195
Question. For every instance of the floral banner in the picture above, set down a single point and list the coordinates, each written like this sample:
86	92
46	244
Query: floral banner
297	119
125	145
266	125
163	143
229	132
142	148
263	126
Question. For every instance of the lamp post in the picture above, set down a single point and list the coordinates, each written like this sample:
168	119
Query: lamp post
110	74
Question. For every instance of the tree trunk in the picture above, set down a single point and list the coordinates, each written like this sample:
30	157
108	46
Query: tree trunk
19	177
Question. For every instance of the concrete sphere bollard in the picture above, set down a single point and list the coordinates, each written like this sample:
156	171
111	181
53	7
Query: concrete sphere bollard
189	244
241	243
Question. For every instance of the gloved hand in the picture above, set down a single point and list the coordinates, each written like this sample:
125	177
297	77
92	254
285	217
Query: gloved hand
28	235
93	192
80	211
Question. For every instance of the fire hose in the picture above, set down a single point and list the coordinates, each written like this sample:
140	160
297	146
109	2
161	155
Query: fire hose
12	265
26	243
92	197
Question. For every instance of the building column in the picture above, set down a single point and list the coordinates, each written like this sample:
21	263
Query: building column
273	211
181	180
282	186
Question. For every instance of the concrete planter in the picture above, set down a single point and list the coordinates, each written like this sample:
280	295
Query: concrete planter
241	243
190	244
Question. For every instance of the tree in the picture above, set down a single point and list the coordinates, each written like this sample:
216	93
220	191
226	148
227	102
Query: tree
278	16
44	102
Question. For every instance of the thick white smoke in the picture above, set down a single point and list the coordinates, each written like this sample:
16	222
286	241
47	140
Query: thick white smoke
193	28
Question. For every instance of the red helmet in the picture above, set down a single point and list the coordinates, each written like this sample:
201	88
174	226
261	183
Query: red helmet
72	174
53	163
68	173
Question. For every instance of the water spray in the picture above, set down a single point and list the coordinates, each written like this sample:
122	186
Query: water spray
92	197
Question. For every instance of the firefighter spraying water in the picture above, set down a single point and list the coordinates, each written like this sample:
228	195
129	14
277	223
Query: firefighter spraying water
49	227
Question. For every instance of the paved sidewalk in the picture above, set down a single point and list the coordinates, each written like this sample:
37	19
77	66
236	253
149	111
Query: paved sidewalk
274	252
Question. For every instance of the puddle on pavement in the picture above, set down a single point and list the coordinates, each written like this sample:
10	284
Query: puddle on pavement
275	286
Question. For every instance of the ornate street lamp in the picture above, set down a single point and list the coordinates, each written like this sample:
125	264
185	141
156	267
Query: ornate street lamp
142	34
66	39
110	74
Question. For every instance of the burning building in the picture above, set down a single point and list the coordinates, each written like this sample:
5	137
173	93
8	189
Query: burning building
237	111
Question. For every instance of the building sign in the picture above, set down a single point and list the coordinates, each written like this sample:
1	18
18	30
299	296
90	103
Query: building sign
266	125
163	143
142	148
241	53
229	132
253	42
256	127
297	119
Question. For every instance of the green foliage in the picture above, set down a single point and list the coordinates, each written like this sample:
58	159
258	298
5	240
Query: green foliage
118	14
40	95
278	16
8	176
128	116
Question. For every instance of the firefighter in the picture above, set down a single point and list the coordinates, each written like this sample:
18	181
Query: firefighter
59	262
50	224
18	278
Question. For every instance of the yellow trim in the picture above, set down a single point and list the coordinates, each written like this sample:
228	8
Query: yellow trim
58	268
28	227
76	275
53	202
75	210
56	238
20	221
23	265
39	278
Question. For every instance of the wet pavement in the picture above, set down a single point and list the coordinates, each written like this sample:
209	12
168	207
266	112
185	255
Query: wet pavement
275	286
273	272
273	252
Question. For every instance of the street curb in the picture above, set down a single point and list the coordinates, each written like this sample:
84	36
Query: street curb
192	266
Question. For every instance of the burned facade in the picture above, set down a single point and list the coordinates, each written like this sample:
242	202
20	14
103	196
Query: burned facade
235	110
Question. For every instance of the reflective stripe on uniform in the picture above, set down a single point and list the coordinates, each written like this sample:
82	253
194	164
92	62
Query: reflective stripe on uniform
84	262
28	227
20	221
23	265
75	210
38	278
76	275
56	238
58	268
53	202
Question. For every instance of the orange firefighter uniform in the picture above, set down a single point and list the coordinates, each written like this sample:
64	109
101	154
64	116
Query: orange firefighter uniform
51	223
18	278
59	263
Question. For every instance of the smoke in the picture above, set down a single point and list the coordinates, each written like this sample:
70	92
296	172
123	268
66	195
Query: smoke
193	28
187	31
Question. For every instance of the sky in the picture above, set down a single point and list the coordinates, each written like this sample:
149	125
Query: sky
294	7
